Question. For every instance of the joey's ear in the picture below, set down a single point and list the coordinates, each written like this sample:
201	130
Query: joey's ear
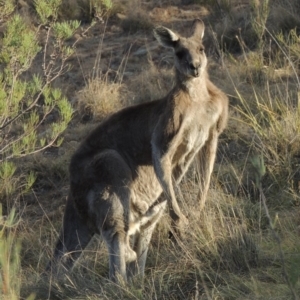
165	36
198	29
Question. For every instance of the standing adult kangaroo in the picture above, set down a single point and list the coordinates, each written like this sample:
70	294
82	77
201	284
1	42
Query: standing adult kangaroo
124	173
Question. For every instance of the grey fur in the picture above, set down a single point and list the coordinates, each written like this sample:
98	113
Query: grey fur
124	173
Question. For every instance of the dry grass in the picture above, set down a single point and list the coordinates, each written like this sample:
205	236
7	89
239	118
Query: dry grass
230	251
99	99
223	257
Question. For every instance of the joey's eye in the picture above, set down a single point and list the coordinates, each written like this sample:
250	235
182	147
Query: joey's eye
201	49
180	54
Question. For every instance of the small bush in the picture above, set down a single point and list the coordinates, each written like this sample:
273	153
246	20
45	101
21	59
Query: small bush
99	99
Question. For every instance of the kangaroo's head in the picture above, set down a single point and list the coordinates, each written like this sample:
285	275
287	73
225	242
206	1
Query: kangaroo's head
190	58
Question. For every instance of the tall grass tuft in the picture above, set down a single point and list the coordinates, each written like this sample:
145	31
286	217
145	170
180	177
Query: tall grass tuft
10	246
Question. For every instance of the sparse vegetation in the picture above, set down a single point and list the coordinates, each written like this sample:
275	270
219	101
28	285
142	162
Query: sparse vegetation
27	105
99	99
230	251
10	282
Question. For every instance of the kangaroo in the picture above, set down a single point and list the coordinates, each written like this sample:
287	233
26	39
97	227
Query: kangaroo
124	173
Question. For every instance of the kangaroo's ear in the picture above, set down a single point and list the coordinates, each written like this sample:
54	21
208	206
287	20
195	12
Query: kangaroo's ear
198	29
166	37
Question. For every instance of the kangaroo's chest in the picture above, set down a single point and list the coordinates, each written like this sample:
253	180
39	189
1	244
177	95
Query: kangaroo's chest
194	133
196	125
192	138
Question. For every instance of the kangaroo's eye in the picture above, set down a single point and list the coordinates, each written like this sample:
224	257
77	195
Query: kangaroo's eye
201	49
180	54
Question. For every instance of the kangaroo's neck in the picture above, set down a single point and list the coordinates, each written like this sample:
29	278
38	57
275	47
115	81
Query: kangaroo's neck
195	87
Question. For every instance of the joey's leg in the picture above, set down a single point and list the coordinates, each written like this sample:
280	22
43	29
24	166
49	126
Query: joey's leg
205	164
74	237
140	205
142	239
141	245
130	254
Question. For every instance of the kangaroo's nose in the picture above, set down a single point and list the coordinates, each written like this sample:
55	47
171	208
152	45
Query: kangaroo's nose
195	66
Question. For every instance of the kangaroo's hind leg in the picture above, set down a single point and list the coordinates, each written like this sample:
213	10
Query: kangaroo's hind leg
110	203
74	237
113	229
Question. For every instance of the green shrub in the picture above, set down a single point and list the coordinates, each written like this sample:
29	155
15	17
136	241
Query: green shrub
28	101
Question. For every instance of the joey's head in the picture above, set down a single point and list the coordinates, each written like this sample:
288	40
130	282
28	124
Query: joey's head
190	58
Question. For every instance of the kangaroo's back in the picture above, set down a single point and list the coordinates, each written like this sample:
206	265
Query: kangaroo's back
128	131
